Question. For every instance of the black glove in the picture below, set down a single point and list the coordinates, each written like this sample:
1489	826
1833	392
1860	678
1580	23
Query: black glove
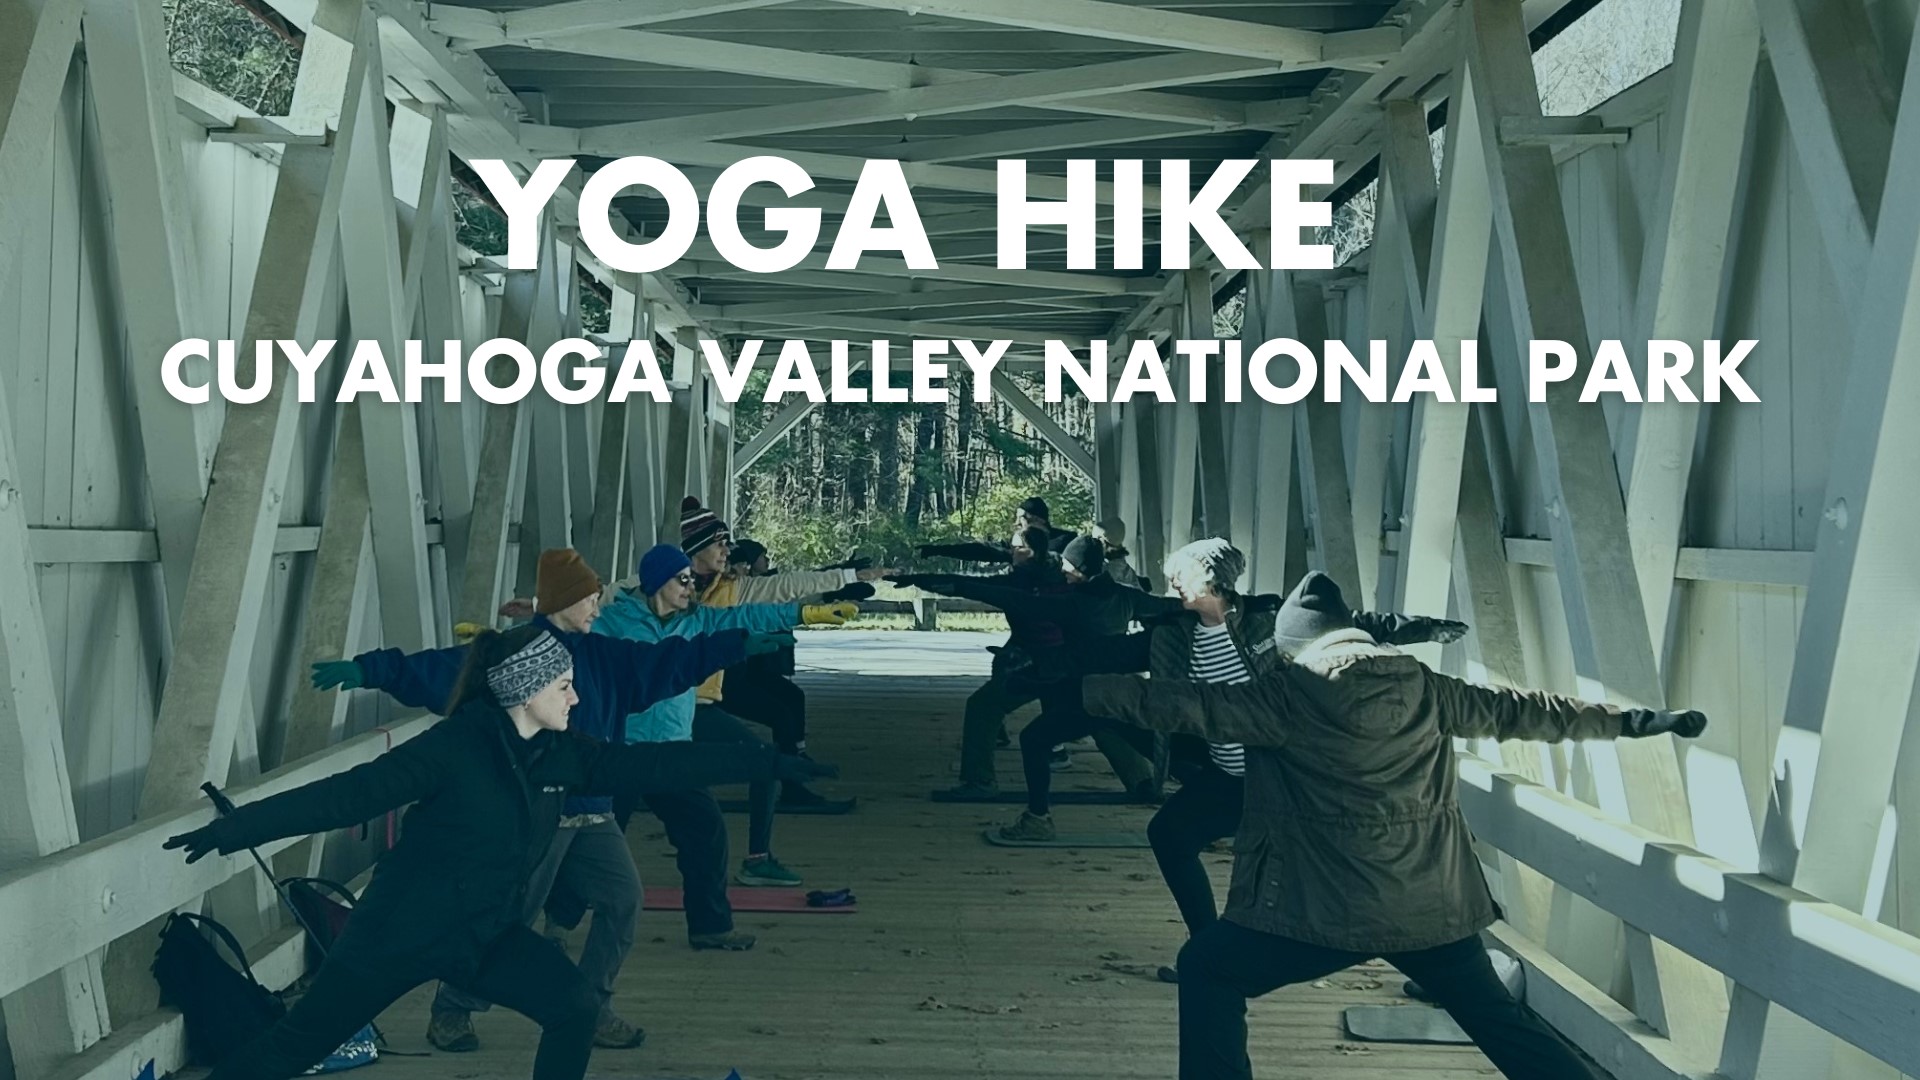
1641	723
762	644
799	769
855	592
216	836
1446	631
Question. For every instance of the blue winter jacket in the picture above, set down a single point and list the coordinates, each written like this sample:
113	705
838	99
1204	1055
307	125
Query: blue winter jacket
629	617
612	678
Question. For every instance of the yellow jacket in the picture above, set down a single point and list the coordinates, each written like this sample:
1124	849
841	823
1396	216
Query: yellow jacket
731	590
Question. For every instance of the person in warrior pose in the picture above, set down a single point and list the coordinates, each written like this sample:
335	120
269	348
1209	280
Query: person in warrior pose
1352	844
487	786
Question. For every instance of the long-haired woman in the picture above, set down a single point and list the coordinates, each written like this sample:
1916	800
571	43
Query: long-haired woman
486	786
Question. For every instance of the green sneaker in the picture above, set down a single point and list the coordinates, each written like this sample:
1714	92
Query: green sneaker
766	870
1029	827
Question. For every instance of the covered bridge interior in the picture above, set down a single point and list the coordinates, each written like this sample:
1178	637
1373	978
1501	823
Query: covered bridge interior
1742	906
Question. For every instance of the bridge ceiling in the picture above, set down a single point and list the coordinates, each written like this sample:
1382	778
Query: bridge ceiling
645	87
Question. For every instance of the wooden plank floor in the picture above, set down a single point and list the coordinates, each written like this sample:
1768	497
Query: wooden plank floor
964	961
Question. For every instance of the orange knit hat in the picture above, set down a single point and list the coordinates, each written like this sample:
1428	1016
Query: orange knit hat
564	580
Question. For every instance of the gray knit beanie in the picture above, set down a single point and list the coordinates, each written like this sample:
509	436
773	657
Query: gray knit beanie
1313	609
1085	555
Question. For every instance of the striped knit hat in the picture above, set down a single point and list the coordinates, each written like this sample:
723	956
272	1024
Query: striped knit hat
699	528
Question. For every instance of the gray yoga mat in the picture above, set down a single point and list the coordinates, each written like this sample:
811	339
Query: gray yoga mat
1403	1024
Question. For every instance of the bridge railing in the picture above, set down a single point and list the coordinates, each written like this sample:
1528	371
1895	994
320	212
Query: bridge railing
1850	975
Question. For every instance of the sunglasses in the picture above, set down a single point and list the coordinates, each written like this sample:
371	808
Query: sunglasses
687	580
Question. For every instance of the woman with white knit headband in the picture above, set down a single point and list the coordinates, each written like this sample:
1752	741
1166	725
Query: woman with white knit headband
486	785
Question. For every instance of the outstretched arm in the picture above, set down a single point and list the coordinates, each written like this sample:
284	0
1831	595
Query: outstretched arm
641	768
1010	600
1146	606
640	674
1253	713
970	551
422	680
405	774
1471	711
788	587
753	618
1393	629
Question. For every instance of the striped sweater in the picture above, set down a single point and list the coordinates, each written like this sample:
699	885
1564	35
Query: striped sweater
1216	659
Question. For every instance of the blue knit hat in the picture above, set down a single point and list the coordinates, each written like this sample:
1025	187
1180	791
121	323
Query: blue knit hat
659	565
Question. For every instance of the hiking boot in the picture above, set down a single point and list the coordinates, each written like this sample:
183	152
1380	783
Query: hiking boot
1060	760
765	870
726	941
798	795
969	790
615	1033
1029	827
452	1032
1168	974
555	933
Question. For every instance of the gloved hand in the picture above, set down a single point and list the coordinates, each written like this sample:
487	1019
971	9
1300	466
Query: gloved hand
1446	631
836	614
762	644
216	836
1641	723
859	590
800	769
874	573
344	674
465	632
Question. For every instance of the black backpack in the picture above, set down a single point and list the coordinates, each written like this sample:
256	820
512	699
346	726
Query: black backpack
224	1008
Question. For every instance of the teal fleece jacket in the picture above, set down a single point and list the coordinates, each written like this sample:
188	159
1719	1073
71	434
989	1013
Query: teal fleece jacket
629	617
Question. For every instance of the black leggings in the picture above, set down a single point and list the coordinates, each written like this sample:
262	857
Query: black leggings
1205	809
1059	724
520	970
1226	964
772	701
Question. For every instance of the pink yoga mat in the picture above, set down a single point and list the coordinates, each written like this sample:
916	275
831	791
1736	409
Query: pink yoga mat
750	901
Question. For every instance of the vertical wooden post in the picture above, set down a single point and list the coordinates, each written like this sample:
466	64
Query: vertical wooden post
65	1012
1446	236
153	244
1323	467
370	250
36	49
1607	624
1858	651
